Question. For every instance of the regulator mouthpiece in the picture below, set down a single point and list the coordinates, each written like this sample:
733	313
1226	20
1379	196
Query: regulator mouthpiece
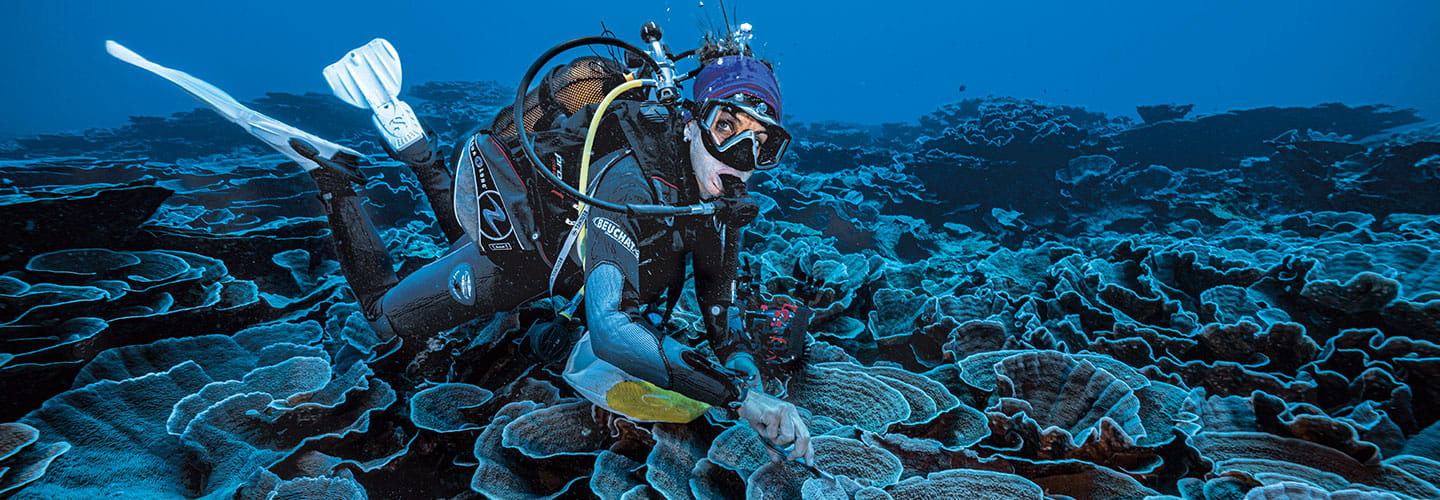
733	186
739	208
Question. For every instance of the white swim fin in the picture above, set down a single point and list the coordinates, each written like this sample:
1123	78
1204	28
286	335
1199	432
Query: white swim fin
369	77
273	132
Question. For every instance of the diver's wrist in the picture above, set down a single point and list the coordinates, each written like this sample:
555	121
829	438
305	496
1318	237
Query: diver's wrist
742	397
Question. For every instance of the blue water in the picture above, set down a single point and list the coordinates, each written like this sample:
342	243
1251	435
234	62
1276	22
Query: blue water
1022	284
842	61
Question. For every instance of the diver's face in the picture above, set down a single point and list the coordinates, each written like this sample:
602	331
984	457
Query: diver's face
708	169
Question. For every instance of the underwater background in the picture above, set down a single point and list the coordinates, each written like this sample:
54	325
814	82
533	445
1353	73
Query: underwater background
1107	250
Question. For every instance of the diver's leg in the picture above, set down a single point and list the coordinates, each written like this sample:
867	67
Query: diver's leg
425	160
458	287
363	257
369	77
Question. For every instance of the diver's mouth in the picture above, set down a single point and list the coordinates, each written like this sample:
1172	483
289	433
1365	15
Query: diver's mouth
717	188
713	188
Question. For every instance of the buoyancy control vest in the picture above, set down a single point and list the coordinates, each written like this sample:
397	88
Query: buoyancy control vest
512	214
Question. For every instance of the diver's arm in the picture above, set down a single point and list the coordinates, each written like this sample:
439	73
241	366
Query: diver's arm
612	283
621	338
638	349
715	289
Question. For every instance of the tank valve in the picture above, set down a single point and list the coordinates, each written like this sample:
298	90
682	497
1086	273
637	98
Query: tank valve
665	78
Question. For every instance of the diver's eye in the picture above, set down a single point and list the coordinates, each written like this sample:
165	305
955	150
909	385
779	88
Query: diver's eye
724	128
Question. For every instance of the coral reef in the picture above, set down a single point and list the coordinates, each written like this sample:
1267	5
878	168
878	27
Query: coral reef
1011	299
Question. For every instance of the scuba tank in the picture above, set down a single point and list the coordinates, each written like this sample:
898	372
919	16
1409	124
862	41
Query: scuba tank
497	195
516	180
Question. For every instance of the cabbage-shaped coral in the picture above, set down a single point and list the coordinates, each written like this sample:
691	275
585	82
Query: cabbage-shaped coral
964	483
567	428
867	465
1272	458
439	408
1065	393
849	396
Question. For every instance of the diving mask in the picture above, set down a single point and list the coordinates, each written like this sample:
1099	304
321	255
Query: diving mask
740	133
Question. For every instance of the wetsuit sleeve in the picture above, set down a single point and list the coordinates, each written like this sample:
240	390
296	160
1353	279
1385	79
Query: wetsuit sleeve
715	289
612	283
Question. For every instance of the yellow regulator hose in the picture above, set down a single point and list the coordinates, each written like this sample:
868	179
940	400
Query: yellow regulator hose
595	126
584	186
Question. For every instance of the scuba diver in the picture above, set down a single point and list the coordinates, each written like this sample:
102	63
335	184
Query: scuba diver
590	188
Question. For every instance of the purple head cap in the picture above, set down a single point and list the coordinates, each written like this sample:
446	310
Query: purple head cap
730	75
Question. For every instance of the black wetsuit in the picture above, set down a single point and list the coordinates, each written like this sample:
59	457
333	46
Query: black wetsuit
629	263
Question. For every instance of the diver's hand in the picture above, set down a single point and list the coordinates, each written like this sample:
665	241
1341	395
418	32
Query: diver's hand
744	364
779	423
